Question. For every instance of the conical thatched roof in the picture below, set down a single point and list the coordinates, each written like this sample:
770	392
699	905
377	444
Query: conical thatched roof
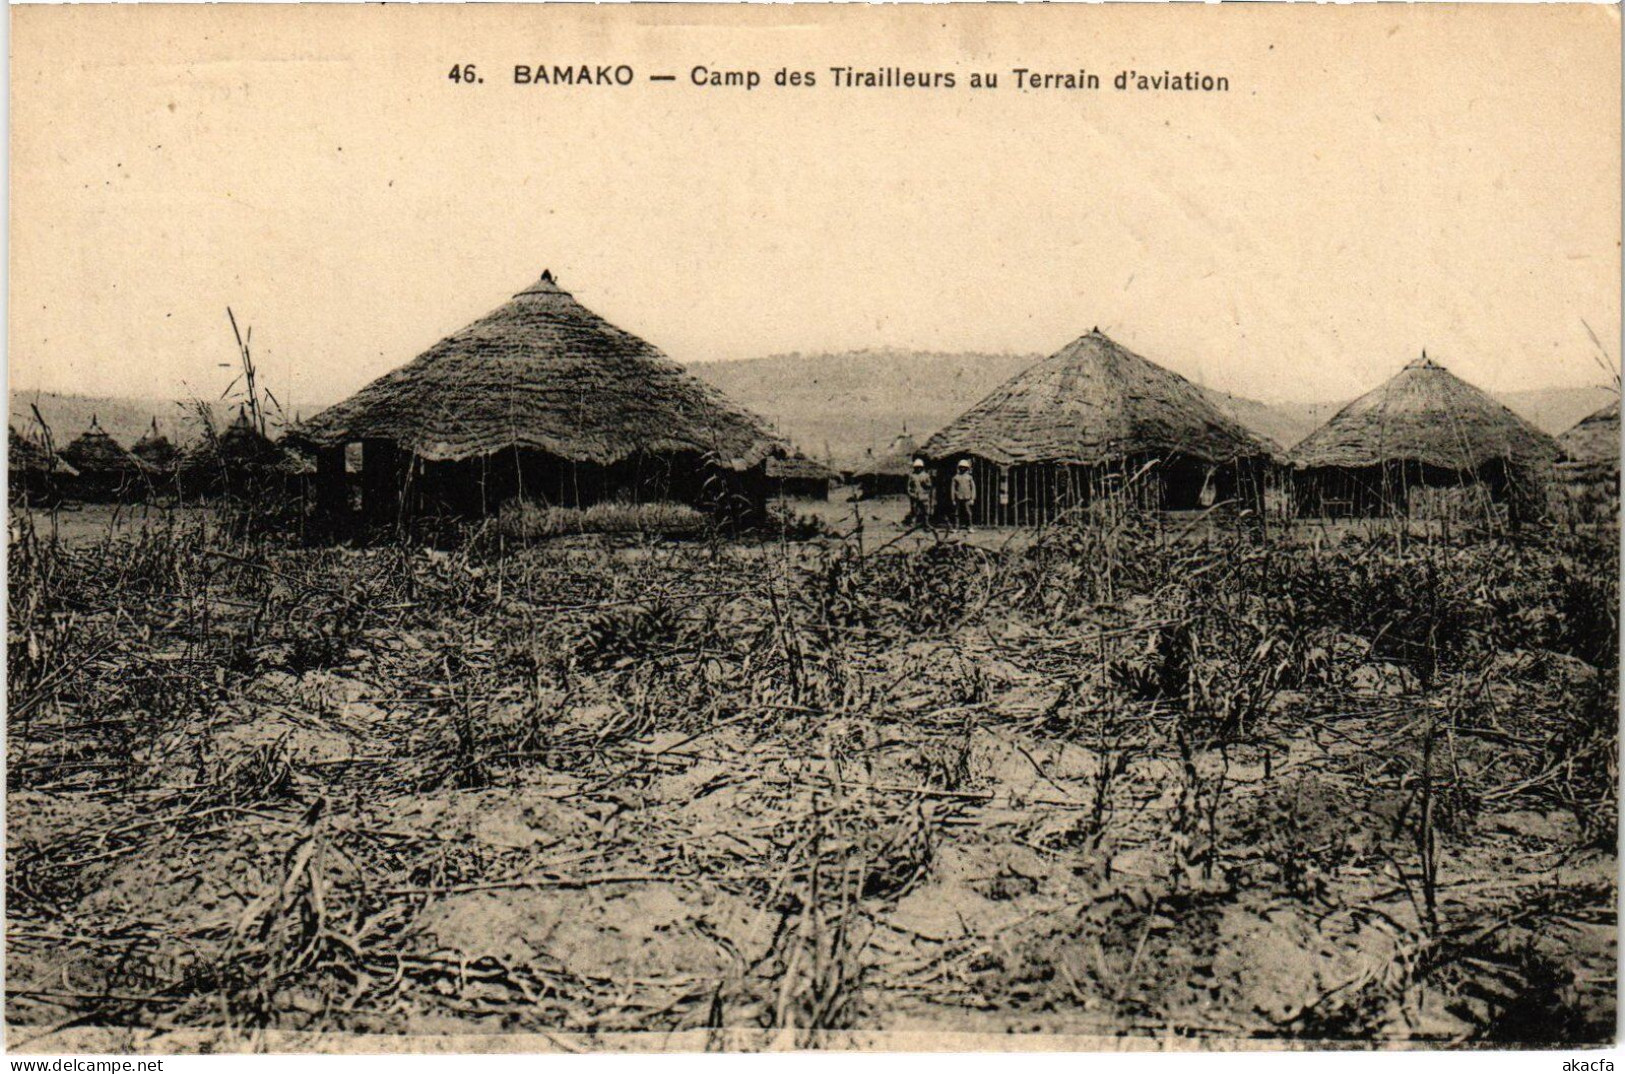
1594	440
95	452
243	443
544	372
24	456
1425	414
155	450
242	449
1091	402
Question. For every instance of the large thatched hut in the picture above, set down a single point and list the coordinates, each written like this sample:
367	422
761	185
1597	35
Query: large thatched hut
1589	469
1096	419
1425	442
545	400
106	470
33	473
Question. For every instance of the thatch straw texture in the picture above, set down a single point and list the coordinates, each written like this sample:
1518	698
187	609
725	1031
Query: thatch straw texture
1425	414
1093	402
1594	440
94	453
543	372
24	456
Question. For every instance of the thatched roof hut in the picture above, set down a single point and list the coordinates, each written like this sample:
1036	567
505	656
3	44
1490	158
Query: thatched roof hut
241	460
1079	422
95	453
1427	414
32	471
1423	428
544	398
800	476
1594	440
886	473
155	450
105	469
243	444
25	456
1589	471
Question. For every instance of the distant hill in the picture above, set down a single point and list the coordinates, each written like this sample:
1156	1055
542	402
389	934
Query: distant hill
835	407
125	418
1281	424
840	405
1556	410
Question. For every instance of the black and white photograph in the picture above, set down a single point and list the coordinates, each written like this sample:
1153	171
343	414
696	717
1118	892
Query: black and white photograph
694	528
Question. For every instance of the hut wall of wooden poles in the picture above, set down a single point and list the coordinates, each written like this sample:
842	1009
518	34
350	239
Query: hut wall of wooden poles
1091	422
396	484
1031	494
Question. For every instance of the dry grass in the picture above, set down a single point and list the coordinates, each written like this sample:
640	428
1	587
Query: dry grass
1125	778
525	520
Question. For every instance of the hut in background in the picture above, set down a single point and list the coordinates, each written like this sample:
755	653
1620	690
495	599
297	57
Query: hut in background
105	470
799	477
886	474
1425	443
1096	419
161	458
241	460
33	473
156	451
1589	469
544	400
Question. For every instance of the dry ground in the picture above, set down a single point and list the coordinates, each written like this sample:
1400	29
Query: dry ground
1120	780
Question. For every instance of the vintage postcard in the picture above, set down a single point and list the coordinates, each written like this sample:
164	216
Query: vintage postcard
686	527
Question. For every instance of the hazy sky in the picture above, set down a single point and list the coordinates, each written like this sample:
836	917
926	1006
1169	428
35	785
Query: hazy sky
1378	179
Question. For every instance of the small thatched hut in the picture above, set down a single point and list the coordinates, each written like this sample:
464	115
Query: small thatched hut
886	473
1425	442
545	400
799	477
1090	420
1589	469
33	474
241	460
156	451
106	470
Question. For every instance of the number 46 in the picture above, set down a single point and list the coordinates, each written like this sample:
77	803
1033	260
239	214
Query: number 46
463	72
